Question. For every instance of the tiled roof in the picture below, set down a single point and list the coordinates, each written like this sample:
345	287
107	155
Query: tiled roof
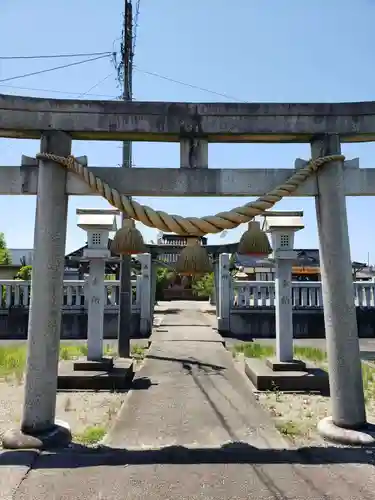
306	257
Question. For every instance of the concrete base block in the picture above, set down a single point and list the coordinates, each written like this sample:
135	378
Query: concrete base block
58	436
119	377
296	365
103	365
311	379
355	437
223	325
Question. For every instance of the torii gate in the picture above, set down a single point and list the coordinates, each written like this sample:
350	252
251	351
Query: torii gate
58	122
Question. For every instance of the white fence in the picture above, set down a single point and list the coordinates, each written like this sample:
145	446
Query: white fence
261	294
16	293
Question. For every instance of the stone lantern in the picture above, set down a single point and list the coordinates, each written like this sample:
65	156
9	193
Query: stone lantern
282	227
98	223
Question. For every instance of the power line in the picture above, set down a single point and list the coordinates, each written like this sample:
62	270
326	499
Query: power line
54	56
136	24
52	91
163	77
96	85
167	78
52	69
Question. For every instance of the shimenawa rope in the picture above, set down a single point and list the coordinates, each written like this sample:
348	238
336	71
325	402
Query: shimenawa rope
190	225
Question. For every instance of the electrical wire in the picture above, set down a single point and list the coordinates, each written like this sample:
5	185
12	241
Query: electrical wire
179	82
136	24
96	85
52	91
54	56
163	77
52	69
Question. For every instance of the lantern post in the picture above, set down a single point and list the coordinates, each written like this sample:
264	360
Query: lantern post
98	223
282	228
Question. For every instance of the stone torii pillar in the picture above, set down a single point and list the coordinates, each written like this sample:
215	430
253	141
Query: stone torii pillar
38	426
344	365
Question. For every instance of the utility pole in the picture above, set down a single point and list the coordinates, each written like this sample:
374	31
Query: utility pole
125	307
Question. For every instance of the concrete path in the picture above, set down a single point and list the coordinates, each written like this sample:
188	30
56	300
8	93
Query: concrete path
186	334
184	321
195	397
191	429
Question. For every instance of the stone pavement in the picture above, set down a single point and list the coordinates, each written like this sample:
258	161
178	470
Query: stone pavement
190	429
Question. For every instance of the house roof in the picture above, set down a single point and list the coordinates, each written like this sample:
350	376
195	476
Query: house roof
305	257
73	257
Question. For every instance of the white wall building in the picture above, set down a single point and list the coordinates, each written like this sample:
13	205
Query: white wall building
21	256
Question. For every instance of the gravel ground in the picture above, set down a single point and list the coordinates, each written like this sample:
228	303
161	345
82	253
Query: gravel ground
297	415
81	410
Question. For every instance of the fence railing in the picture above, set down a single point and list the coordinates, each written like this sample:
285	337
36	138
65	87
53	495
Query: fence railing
16	293
305	295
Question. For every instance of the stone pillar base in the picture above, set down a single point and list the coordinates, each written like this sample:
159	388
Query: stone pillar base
356	437
58	436
223	325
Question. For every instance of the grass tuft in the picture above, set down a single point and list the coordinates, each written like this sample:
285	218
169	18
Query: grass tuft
91	435
138	351
289	428
310	353
13	358
12	361
254	350
314	354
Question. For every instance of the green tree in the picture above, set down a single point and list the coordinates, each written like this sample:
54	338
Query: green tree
203	286
232	264
163	277
232	260
5	257
24	273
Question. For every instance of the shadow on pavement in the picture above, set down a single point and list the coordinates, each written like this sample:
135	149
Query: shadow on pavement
186	362
168	311
141	384
78	456
189	324
137	384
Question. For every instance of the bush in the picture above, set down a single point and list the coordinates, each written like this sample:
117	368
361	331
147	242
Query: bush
5	257
24	273
163	276
203	287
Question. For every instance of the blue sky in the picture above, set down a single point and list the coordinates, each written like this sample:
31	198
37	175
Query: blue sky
252	50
